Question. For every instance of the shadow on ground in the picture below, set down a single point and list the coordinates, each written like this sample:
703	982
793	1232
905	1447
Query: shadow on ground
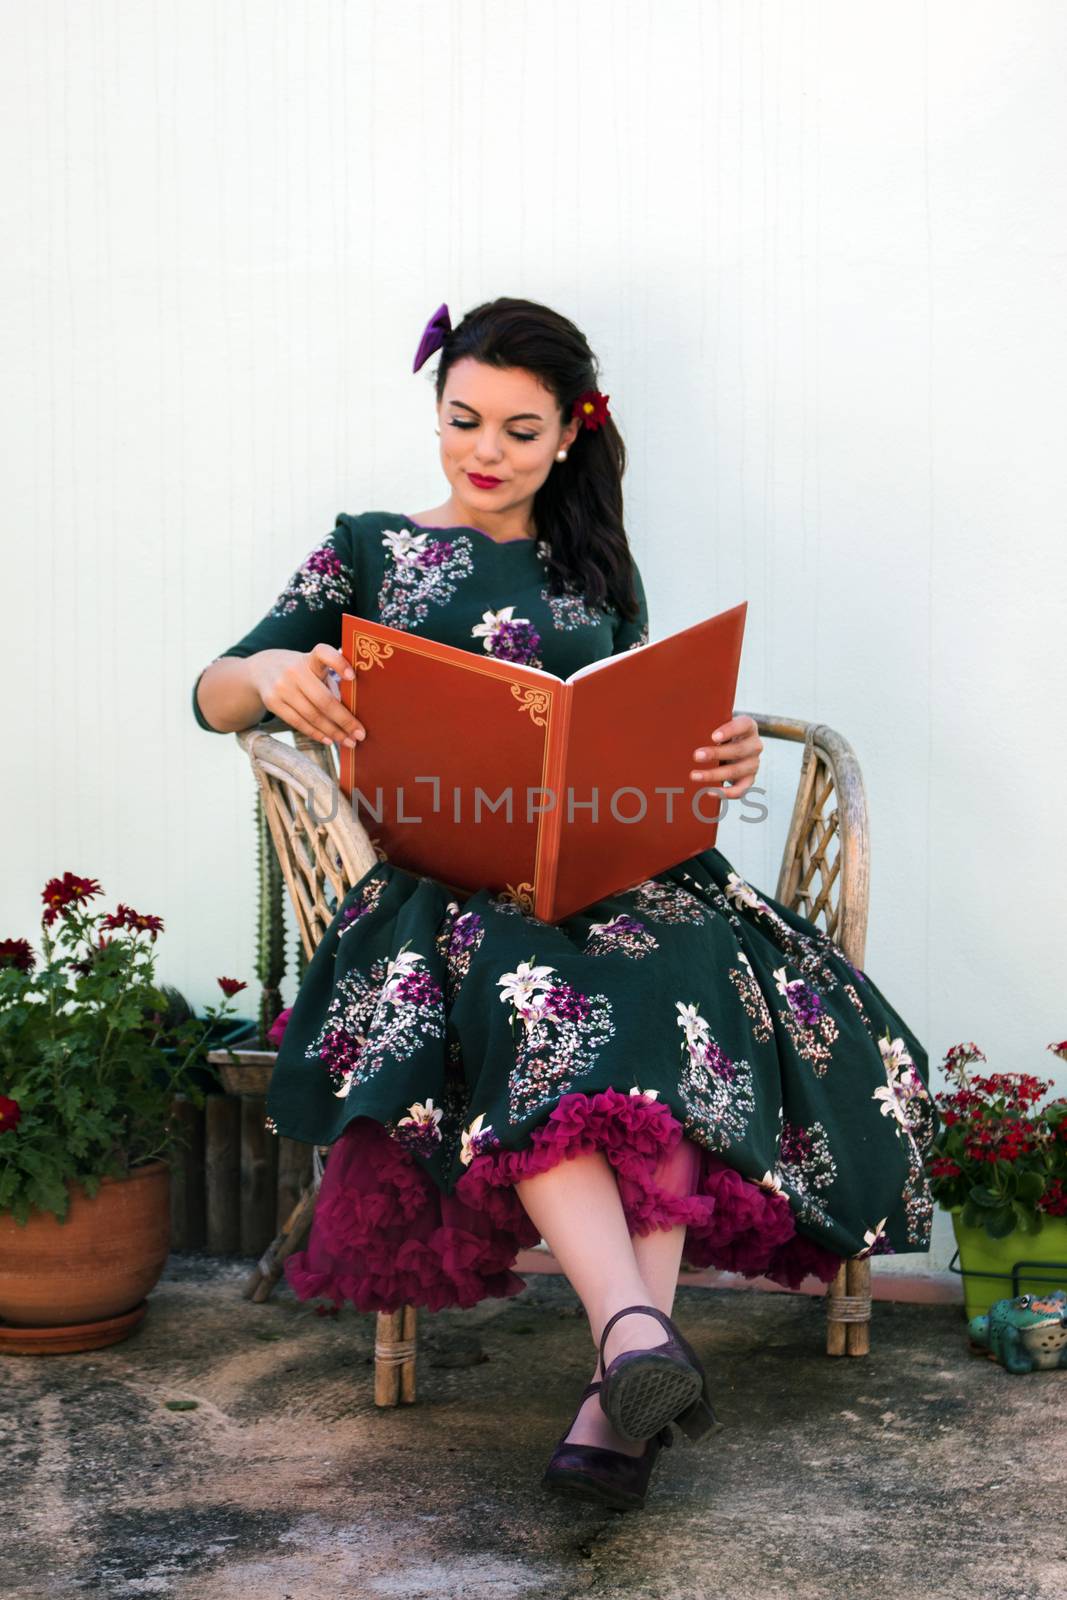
917	1470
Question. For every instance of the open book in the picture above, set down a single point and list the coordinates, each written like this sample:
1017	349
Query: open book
491	774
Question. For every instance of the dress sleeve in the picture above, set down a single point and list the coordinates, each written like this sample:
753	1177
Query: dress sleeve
307	612
628	635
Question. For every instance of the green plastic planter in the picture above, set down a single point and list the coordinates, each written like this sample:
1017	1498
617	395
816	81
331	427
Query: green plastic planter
979	1255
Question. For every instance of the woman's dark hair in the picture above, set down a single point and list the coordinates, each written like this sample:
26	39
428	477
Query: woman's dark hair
578	508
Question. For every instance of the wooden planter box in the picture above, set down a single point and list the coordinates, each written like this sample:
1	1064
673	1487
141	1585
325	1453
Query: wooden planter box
234	1183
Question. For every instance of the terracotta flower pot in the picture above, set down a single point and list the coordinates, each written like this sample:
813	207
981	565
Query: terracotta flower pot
97	1265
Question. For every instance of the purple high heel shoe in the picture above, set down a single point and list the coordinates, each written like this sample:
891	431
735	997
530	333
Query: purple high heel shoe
606	1477
644	1389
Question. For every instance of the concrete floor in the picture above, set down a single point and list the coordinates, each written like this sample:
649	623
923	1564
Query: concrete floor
920	1469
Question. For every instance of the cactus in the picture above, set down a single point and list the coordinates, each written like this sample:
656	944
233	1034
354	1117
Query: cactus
270	942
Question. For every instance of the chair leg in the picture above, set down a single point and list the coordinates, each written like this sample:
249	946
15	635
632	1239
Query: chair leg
394	1357
848	1310
260	1282
858	1285
835	1328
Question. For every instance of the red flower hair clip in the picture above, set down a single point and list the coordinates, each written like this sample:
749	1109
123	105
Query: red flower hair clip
591	408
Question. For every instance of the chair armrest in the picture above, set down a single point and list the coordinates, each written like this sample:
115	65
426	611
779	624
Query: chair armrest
317	835
828	838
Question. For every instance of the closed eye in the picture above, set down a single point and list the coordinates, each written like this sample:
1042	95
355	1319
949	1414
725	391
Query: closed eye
465	425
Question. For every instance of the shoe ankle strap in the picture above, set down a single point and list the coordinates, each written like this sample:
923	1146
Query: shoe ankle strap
648	1311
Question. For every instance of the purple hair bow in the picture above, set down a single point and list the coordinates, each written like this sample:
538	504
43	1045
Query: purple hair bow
433	336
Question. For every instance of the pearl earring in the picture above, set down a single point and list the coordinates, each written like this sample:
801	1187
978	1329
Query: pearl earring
561	455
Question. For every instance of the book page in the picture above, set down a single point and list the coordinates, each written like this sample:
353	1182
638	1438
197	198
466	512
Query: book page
590	666
606	661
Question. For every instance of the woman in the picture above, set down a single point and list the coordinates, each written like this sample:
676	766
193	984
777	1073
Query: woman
684	1067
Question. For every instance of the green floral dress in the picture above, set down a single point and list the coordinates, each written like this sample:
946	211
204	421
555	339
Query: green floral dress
445	1050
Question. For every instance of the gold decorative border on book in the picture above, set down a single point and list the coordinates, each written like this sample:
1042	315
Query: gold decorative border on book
533	701
369	652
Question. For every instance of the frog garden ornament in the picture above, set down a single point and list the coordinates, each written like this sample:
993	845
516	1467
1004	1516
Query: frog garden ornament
1025	1334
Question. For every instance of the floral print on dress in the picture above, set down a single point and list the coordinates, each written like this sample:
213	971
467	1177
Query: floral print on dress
746	983
571	609
461	935
805	1168
809	952
371	1019
321	579
455	1108
477	1140
905	1098
718	1092
506	903
876	1242
808	1023
364	902
714	898
419	572
560	1033
918	1201
642	638
508	637
904	1095
853	994
622	935
667	902
419	1131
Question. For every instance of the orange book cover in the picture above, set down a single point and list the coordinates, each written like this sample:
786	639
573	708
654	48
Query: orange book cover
491	774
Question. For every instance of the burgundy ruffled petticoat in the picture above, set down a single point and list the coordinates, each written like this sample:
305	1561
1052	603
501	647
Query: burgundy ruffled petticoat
384	1235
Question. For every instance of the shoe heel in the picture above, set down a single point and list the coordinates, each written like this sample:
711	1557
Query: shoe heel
698	1419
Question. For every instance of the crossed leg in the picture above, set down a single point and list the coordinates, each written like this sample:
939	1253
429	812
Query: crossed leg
577	1209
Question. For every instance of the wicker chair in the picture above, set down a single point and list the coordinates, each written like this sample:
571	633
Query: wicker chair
823	875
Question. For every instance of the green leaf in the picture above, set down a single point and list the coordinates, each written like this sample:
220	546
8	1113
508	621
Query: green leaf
1031	1186
181	1405
983	1196
49	1194
1025	1218
999	1224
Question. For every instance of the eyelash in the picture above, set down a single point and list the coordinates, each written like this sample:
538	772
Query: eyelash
526	437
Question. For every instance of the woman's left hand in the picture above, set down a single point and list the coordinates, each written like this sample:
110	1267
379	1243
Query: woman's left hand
731	758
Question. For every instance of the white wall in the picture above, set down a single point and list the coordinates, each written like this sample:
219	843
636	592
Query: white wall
819	249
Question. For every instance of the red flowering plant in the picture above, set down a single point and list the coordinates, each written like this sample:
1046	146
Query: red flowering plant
998	1156
86	1087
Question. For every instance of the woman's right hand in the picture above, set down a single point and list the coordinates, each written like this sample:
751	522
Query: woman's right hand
292	684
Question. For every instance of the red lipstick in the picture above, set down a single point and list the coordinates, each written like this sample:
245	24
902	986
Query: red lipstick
483	483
